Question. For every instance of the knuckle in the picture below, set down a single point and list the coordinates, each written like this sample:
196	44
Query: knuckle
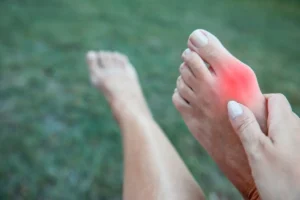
279	97
254	154
245	124
258	150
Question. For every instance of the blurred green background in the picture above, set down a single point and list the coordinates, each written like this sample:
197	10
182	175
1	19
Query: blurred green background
58	138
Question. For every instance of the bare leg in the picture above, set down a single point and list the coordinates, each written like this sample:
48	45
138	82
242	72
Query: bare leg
153	169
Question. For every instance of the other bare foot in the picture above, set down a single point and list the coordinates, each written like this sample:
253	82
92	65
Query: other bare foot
115	77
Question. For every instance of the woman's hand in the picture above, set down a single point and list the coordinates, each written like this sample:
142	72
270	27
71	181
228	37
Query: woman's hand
274	159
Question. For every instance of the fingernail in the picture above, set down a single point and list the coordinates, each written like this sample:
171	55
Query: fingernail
186	52
199	39
234	109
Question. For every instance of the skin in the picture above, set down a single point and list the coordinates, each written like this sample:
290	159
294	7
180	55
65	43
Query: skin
275	158
201	98
153	169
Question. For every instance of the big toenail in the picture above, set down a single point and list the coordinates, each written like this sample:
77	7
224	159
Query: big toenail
199	39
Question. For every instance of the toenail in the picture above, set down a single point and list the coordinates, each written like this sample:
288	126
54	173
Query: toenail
181	67
186	52
199	39
91	55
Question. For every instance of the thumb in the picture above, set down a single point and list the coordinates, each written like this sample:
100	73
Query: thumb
247	128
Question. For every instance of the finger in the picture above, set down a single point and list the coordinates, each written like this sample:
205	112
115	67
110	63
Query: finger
268	95
281	118
278	107
247	128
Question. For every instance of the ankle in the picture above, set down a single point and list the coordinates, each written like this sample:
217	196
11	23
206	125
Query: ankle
125	113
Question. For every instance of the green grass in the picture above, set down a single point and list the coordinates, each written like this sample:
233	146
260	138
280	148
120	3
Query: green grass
58	139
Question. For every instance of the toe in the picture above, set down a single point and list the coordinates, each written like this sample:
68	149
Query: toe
91	58
101	59
187	75
185	91
105	59
108	59
116	59
95	73
121	58
209	48
181	105
196	64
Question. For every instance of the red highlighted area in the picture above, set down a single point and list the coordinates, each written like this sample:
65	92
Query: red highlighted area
239	83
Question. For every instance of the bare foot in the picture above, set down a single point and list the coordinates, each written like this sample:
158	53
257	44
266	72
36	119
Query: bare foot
201	98
113	74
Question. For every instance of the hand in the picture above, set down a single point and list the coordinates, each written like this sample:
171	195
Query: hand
274	159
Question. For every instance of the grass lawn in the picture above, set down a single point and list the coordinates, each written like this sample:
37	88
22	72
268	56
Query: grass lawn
58	139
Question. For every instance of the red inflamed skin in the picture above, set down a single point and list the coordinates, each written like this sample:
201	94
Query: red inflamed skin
238	82
209	78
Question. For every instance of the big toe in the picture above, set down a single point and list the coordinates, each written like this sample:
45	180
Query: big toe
94	68
209	48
